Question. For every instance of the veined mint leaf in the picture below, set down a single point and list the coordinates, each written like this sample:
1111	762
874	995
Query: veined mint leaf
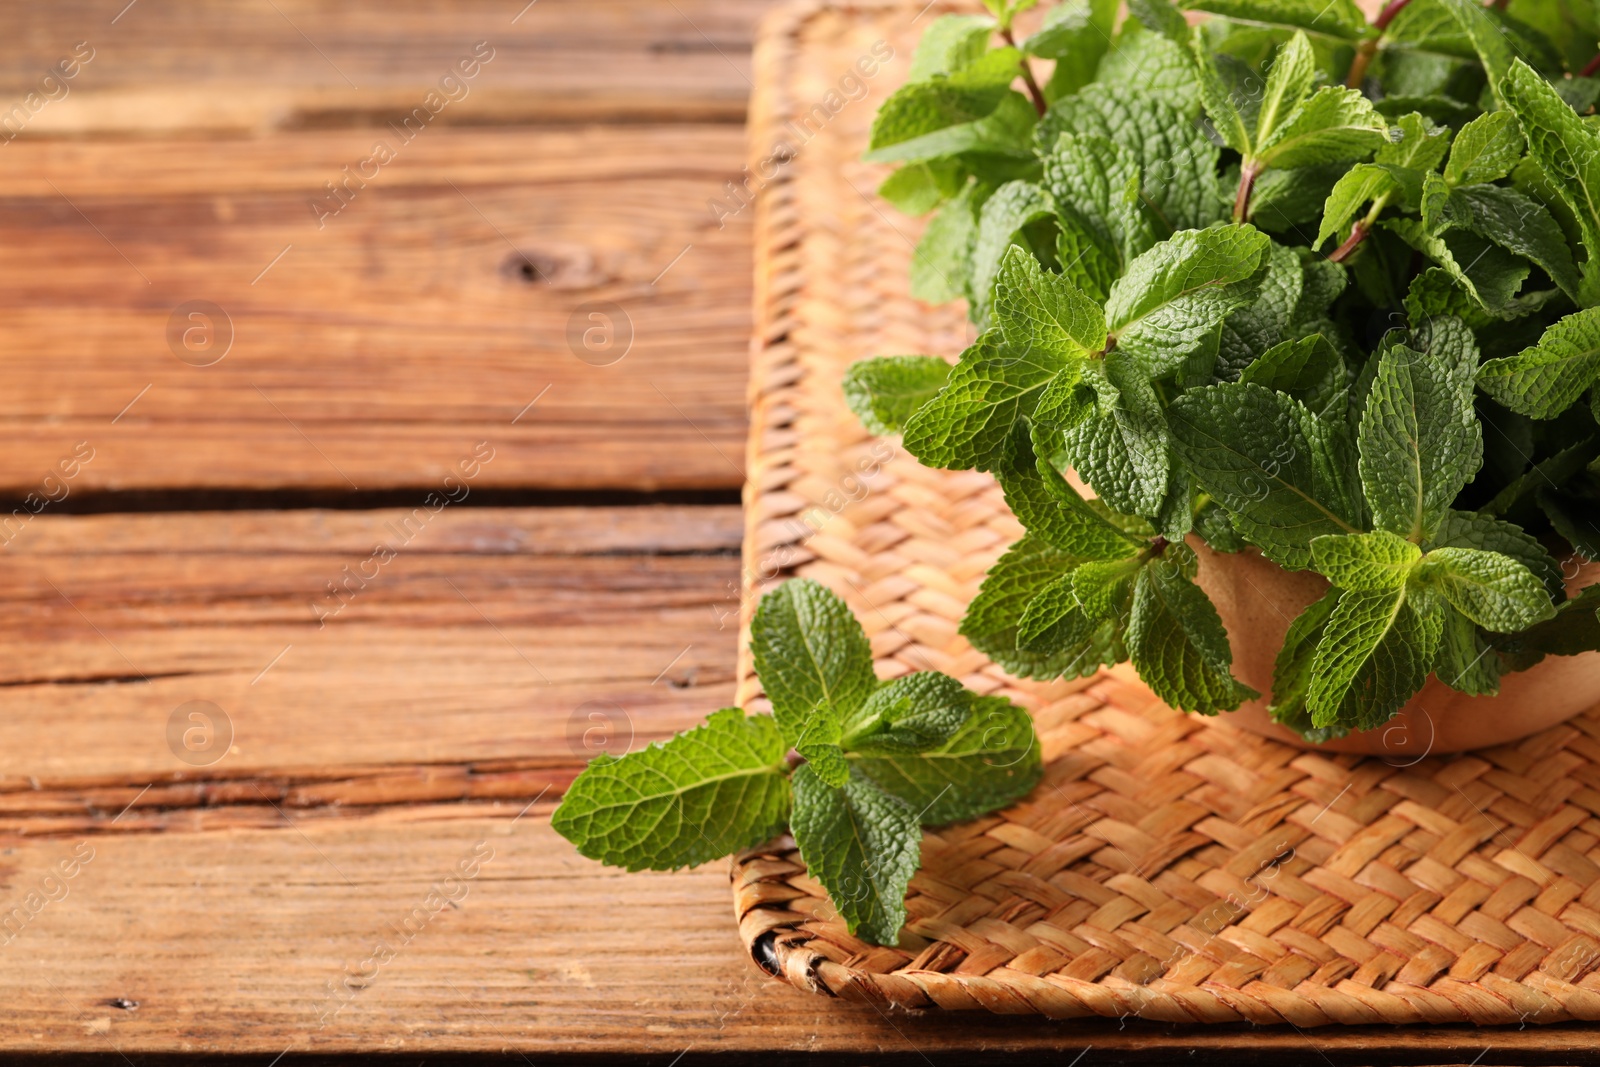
1287	200
1489	39
1095	184
1521	226
1162	17
1543	381
1076	34
1492	590
1574	629
950	43
1054	620
1330	126
1157	64
967	423
1419	444
1491	275
1223	105
1421	147
909	714
918	188
1176	293
1122	451
1294	70
1485	150
885	392
1341	18
1375	653
1211	522
1362	184
1466	529
941	270
1102	588
991	761
1291	675
1309	370
1252	329
1036	310
1561	144
1013	206
809	650
995	614
702	795
1246	447
1466	662
1368	562
1051	509
819	744
863	845
1176	639
947	114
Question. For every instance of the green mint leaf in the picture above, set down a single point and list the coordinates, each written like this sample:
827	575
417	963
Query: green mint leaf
1162	17
1123	449
1054	620
1223	103
863	845
1293	72
995	614
1439	209
1176	639
1466	662
1485	150
918	188
1573	630
1265	320
941	269
809	650
1211	522
992	761
1492	590
1051	509
909	714
1521	226
1247	448
934	121
950	43
1037	310
1291	675
1158	65
1543	381
1095	184
819	744
1421	147
1561	143
1552	470
1177	163
704	794
1375	652
1013	206
968	423
1489	39
1309	370
1103	589
1573	517
885	392
1489	274
1341	18
1362	184
1332	125
1466	529
1419	444
1176	293
1076	34
1368	562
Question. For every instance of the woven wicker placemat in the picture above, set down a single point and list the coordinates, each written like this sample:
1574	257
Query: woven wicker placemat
1169	866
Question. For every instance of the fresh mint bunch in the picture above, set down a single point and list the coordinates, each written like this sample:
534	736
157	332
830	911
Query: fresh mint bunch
1284	281
852	766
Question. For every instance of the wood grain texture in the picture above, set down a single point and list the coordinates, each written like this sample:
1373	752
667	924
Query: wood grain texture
251	66
493	644
445	297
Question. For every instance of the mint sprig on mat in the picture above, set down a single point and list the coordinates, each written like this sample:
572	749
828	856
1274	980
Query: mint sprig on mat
853	766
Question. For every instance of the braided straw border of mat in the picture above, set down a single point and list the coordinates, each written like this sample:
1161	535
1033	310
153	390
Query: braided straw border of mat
1169	866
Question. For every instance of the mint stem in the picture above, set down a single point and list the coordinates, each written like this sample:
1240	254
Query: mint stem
1039	104
1247	182
1358	233
1590	67
1369	47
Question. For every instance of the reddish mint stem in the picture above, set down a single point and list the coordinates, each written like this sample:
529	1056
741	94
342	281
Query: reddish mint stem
1247	182
1366	49
1034	92
1590	67
1358	233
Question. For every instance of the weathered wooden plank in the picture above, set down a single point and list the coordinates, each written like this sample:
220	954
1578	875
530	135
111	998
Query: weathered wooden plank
251	66
477	272
229	942
477	641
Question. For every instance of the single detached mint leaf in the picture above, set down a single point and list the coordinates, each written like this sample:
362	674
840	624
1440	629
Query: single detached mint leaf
910	714
992	761
885	392
1466	529
1368	563
1291	676
1246	447
1332	125
863	845
995	614
968	423
819	744
1419	444
1543	381
1176	639
1174	295
1466	662
1375	652
1485	150
809	650
1035	309
704	794
1492	590
950	43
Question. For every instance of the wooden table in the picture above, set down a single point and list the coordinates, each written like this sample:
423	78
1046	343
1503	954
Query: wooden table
342	532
